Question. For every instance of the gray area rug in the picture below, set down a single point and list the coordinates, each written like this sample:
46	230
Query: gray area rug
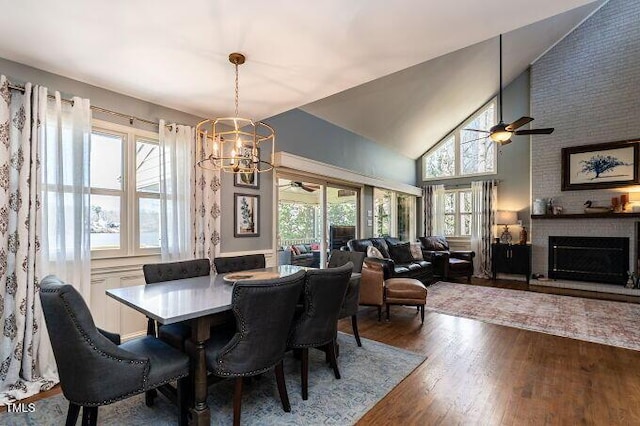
598	321
368	374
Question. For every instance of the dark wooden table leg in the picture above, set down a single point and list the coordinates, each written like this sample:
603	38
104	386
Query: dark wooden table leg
200	414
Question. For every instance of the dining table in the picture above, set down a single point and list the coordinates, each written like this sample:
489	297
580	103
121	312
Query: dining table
197	300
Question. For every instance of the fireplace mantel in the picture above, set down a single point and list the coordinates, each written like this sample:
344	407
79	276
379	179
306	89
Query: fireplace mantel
610	215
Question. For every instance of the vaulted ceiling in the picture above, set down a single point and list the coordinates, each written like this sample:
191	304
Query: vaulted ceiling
175	54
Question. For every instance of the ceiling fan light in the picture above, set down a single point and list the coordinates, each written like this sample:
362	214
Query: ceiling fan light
500	136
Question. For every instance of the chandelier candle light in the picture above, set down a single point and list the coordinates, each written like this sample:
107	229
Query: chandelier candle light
235	142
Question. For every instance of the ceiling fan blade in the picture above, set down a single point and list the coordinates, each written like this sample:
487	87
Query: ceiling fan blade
507	142
547	131
518	123
477	130
307	188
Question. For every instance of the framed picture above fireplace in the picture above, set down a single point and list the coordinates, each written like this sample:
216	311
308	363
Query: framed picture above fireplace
597	166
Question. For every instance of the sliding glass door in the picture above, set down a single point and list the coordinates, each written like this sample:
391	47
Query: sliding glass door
314	216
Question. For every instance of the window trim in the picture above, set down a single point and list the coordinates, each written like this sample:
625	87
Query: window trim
456	134
129	202
458	213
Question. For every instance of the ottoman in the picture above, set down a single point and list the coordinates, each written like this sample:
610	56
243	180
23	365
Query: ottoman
405	291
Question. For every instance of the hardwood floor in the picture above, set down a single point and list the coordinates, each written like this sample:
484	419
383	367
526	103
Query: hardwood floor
478	373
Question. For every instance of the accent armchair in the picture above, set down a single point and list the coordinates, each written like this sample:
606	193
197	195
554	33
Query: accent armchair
447	263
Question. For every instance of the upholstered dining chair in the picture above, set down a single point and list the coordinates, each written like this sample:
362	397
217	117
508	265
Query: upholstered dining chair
174	334
239	263
94	367
316	326
264	311
352	298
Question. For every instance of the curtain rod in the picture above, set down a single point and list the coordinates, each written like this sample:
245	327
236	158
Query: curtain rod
131	118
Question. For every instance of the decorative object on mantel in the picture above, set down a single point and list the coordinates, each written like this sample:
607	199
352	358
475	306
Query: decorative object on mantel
590	208
236	141
539	206
634	200
624	200
506	218
605	165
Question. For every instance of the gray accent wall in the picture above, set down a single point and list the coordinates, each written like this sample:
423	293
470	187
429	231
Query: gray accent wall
19	74
513	159
303	134
588	88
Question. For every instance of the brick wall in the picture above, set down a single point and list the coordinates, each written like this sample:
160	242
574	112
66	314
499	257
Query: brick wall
588	88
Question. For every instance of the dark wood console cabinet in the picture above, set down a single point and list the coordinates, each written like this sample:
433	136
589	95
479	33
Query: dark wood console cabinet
511	259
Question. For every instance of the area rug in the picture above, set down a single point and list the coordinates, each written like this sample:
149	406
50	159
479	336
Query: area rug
599	321
368	374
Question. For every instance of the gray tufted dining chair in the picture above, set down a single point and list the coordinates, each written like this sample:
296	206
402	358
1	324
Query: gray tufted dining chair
174	334
239	263
316	326
352	298
263	310
94	367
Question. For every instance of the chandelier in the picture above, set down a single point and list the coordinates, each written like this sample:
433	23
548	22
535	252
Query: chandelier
232	144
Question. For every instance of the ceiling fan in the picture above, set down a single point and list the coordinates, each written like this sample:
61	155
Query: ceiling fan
305	186
502	132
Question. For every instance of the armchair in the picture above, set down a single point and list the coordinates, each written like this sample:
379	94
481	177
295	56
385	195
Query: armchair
447	263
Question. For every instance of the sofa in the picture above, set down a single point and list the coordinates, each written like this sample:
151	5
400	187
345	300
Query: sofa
397	260
447	263
305	255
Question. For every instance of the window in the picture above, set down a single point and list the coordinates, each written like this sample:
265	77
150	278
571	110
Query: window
394	214
457	213
464	152
125	191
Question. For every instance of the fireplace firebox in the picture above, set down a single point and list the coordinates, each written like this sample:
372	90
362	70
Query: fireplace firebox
592	259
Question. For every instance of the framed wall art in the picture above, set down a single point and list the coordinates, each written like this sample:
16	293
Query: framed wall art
598	166
246	215
245	179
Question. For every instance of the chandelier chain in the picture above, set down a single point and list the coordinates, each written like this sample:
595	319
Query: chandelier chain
236	97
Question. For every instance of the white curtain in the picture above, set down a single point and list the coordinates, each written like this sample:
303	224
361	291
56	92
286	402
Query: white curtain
66	135
176	168
483	213
44	226
433	199
206	196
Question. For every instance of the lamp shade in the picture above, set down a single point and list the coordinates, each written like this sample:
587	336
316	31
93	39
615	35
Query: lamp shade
506	217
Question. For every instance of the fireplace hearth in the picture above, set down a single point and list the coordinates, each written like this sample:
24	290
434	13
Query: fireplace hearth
592	259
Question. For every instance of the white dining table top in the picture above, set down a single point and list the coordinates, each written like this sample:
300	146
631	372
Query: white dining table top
173	301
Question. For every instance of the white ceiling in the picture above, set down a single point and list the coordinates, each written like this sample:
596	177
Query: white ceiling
175	53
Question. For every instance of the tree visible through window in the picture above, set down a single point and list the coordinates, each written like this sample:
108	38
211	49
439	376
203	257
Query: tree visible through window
464	152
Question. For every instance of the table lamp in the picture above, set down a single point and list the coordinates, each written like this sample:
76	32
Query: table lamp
506	218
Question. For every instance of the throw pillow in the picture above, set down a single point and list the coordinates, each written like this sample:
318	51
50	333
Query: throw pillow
401	253
294	251
315	246
416	251
301	248
374	252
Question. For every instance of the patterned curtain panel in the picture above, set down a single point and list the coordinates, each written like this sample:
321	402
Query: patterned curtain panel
206	198
433	205
44	206
176	168
483	214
